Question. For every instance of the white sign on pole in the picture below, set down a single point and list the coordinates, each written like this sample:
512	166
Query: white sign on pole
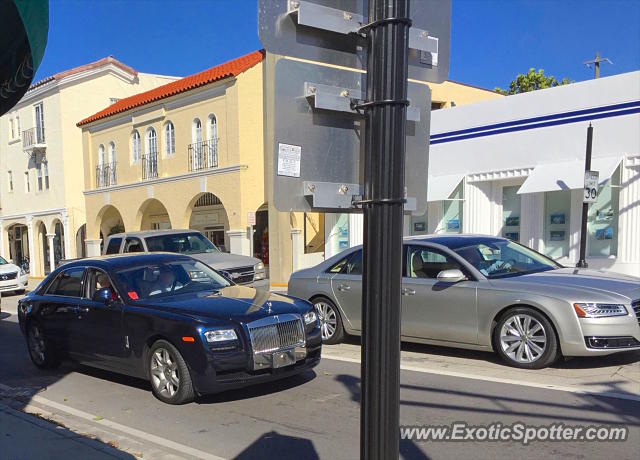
289	160
251	218
591	186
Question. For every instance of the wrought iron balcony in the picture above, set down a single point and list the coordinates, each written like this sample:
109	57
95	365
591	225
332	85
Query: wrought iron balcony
150	166
106	175
203	155
33	138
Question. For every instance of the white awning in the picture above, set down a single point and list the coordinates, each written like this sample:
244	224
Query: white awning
567	175
441	187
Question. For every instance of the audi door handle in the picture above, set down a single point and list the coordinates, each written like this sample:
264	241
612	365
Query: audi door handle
407	291
343	287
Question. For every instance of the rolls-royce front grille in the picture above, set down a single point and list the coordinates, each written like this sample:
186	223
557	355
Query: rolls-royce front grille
636	309
279	335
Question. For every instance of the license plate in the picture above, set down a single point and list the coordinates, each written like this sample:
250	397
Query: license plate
283	358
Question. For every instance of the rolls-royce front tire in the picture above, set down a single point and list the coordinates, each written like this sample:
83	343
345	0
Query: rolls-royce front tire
525	338
170	379
41	350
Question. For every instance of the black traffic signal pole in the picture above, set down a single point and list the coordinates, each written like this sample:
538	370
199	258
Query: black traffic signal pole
582	263
388	40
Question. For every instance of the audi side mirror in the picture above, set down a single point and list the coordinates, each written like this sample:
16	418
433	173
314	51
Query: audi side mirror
451	276
104	296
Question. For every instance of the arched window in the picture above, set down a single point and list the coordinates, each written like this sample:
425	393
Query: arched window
101	155
212	128
197	130
112	153
212	142
135	146
152	142
169	139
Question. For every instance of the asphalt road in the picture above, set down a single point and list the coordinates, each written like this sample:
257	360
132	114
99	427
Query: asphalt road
313	416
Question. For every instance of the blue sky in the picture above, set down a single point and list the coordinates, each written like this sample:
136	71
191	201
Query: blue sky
491	40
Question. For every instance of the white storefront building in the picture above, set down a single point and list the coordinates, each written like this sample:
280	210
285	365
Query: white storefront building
515	167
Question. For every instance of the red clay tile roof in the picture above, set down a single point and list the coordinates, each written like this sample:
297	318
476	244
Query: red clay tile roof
92	65
231	68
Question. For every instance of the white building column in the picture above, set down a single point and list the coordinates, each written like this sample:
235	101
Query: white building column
32	263
297	249
93	247
2	241
239	242
52	261
67	238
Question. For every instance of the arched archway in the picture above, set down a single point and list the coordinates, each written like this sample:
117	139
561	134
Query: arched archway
261	234
58	242
81	236
206	213
108	222
153	215
18	238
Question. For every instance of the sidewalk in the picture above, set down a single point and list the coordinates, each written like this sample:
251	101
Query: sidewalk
24	436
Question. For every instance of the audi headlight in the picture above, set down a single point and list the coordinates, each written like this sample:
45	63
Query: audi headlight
599	310
310	317
220	335
259	273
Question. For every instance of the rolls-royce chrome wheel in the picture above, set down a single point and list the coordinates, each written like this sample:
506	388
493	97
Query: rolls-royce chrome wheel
330	321
525	338
169	374
164	373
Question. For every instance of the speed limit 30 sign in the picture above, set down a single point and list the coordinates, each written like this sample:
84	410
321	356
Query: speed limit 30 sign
590	186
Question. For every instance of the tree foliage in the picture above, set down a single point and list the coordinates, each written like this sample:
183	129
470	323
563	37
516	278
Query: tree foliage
532	81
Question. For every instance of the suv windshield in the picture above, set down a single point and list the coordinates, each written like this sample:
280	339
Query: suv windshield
182	243
170	278
2	261
502	258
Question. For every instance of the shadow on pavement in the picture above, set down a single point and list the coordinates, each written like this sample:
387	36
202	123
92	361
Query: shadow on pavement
274	445
592	362
628	411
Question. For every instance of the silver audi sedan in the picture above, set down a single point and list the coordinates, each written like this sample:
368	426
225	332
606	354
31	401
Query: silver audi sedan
485	293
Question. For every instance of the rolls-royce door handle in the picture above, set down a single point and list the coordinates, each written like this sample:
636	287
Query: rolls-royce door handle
408	291
78	309
343	287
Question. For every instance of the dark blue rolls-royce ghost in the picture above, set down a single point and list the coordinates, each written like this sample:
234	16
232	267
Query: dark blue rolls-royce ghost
170	319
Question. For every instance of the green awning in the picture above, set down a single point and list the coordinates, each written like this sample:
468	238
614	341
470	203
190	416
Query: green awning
24	27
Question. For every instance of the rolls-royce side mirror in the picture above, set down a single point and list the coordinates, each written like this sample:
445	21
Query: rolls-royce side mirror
104	296
451	276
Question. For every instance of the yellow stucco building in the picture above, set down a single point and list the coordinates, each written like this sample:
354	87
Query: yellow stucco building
191	154
42	209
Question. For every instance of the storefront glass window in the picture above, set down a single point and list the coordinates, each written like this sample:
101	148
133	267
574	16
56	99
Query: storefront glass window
556	223
511	213
452	211
602	220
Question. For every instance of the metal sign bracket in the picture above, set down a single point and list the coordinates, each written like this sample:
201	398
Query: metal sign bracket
326	97
330	195
346	22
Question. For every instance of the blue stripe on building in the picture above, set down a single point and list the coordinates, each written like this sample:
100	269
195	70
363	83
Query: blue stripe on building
537	122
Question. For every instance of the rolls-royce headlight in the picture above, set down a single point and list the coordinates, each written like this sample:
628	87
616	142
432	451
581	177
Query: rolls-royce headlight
22	273
259	273
220	335
599	310
310	317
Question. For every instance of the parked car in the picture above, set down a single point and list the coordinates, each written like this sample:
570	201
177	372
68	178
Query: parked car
485	293
241	269
12	277
170	319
